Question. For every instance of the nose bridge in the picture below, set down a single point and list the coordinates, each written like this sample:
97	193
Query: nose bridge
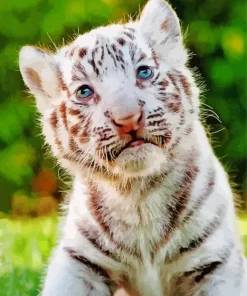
124	103
124	111
129	123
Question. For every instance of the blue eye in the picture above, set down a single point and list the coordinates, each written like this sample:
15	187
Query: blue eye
144	72
84	92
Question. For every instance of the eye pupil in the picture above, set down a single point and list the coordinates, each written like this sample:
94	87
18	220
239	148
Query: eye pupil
84	92
144	72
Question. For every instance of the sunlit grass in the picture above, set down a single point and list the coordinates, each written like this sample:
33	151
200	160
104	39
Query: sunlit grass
25	247
242	223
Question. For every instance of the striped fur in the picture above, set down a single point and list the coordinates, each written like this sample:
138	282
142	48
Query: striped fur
158	218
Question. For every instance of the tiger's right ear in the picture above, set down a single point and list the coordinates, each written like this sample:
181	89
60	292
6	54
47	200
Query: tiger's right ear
160	27
39	72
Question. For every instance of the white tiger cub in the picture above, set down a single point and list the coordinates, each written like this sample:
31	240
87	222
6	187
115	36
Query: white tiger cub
151	208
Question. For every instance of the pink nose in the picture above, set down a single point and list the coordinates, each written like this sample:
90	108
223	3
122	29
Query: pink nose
129	123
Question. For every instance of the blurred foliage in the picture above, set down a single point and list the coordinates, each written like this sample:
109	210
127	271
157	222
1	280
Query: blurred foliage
26	247
215	34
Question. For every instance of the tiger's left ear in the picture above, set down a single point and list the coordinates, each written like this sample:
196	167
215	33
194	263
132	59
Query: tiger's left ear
160	27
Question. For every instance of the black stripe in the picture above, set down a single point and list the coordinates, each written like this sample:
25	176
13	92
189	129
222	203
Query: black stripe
181	198
94	267
92	237
209	230
112	55
203	270
121	57
208	189
155	79
77	67
108	138
96	206
102	53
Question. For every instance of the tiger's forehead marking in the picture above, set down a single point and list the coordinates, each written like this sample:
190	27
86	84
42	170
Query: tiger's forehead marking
115	47
120	33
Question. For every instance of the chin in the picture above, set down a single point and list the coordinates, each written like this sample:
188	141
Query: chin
142	161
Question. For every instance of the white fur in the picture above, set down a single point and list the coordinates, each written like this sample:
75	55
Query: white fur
147	217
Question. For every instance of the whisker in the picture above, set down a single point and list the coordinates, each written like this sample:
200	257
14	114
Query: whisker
215	132
54	44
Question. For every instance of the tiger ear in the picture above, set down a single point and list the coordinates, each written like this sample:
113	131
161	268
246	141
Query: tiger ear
160	27
38	70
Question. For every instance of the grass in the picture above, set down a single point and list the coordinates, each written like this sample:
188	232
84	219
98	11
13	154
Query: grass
24	248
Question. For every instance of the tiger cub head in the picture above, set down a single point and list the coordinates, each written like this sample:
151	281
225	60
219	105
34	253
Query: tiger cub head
119	98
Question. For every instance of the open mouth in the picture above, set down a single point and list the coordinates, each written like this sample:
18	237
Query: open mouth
131	144
158	141
136	142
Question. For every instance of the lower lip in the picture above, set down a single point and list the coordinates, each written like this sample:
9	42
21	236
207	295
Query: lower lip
136	143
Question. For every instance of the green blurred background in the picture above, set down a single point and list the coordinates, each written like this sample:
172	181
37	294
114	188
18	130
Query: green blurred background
30	185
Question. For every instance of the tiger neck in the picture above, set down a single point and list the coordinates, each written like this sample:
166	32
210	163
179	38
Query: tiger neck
133	199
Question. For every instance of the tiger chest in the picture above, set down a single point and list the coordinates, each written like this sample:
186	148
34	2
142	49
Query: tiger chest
143	276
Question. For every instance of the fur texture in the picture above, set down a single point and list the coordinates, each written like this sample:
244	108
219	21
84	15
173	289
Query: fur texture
151	208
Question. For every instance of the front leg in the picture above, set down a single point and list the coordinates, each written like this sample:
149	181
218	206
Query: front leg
216	278
219	287
70	274
223	286
229	279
